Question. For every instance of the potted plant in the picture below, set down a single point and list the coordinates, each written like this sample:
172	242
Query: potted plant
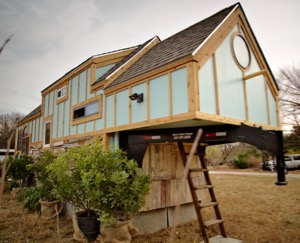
40	196
66	177
100	181
17	172
118	188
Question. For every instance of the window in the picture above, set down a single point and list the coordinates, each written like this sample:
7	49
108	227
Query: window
25	141
47	134
87	110
61	92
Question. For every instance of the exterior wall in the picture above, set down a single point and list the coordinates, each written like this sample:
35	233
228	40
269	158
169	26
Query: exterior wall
165	95
224	91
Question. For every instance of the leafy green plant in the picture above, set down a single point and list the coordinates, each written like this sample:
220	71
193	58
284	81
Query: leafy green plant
241	161
44	183
17	168
11	185
91	177
31	197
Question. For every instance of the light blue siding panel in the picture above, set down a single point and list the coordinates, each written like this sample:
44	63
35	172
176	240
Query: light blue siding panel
60	120
102	70
75	90
99	124
257	101
67	117
89	95
272	108
51	100
110	111
32	131
231	84
207	88
73	130
122	108
41	130
89	126
139	110
179	91
37	122
100	91
81	128
82	86
46	105
54	126
159	97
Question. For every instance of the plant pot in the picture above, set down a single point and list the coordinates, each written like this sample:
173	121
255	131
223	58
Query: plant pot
50	209
16	193
86	226
121	232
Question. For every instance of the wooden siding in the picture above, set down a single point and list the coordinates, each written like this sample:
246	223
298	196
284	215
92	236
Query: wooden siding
164	164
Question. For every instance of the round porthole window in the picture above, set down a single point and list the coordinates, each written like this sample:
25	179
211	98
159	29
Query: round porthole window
241	51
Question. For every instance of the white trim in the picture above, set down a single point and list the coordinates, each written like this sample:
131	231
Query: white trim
215	30
119	68
64	87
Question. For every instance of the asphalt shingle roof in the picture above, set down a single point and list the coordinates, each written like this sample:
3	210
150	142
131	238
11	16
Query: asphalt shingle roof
175	47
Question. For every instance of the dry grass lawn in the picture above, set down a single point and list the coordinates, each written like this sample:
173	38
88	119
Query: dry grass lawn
253	207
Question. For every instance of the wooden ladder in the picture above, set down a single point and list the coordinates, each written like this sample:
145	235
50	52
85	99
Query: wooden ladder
199	205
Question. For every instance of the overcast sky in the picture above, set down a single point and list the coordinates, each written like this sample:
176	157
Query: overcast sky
50	37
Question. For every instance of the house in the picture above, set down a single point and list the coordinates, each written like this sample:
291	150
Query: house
212	74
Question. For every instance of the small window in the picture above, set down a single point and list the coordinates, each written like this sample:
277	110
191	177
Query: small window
87	110
47	134
287	158
61	92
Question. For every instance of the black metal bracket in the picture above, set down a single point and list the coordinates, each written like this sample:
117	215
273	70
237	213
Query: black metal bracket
135	141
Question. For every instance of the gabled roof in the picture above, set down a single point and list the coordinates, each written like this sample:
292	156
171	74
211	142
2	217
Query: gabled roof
178	46
123	61
90	58
33	113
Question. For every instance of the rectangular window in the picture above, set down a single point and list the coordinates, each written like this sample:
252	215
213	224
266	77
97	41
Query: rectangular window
86	110
47	134
61	92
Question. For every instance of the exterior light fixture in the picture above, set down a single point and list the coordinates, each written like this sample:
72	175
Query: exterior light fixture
138	97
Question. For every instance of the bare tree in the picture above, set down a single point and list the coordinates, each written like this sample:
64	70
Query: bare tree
7	124
289	97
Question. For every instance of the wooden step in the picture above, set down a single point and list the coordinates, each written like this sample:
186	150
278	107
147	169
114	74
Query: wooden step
200	187
208	204
213	222
198	170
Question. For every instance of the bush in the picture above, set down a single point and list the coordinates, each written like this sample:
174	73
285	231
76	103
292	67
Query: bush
241	161
94	178
17	168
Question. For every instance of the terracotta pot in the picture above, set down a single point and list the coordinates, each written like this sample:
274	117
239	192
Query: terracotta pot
16	193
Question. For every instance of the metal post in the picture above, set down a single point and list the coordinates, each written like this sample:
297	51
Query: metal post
280	165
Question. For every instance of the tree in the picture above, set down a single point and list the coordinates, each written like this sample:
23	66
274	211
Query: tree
289	96
292	141
7	125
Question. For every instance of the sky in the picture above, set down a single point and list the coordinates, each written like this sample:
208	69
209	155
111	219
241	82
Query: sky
51	37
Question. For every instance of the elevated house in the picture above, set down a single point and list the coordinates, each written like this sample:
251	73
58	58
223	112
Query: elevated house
144	99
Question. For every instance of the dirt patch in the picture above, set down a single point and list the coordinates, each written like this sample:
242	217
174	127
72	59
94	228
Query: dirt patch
253	207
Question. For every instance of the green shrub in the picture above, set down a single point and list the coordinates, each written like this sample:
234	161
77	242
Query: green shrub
17	168
31	197
241	161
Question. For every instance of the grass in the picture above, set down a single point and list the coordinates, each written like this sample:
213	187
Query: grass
255	210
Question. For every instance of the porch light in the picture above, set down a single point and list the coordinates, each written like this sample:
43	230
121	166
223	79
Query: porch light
138	97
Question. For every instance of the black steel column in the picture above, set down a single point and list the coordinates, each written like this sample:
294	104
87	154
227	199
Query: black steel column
280	164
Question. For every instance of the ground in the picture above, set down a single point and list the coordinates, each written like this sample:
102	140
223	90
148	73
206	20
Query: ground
253	207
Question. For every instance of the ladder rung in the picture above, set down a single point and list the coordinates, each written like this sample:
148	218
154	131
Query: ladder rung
195	154
200	187
208	204
198	170
213	222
